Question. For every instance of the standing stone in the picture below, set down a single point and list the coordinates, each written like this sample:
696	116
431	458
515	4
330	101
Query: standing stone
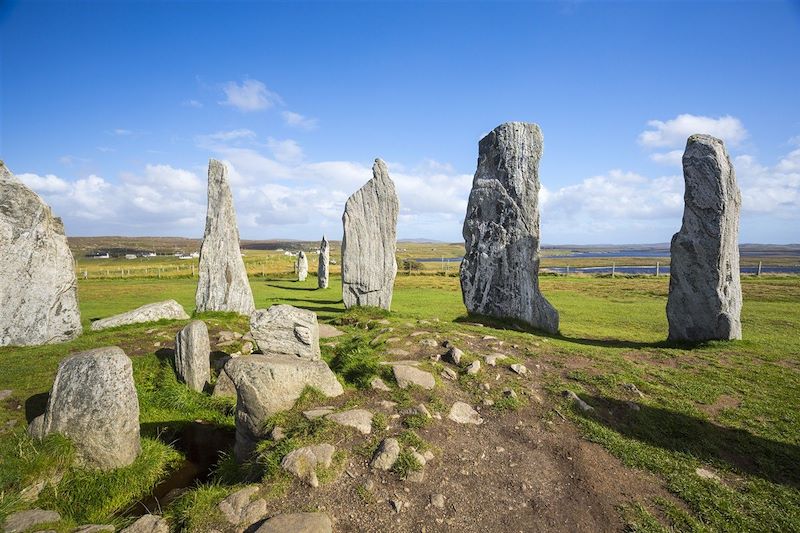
286	330
222	283
38	290
94	403
369	243
324	263
705	293
301	266
192	355
499	273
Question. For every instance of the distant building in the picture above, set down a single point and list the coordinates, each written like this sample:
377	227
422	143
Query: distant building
130	256
100	255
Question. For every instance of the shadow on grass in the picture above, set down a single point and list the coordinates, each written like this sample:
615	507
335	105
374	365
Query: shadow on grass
284	287
777	462
36	405
311	301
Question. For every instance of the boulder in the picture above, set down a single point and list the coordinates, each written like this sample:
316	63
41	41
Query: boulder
94	403
26	520
284	329
705	293
148	523
407	375
192	355
222	281
303	462
297	523
166	310
38	289
323	265
241	508
267	384
369	242
499	273
224	385
302	266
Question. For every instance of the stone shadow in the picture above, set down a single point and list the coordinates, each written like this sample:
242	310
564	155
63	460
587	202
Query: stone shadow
777	462
292	288
36	405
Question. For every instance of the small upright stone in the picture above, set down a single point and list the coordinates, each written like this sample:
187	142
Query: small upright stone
369	242
301	266
222	282
499	273
705	293
192	353
285	329
94	403
38	289
324	263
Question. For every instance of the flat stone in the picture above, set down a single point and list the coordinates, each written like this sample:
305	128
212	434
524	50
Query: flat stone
474	367
303	462
386	454
360	419
430	343
379	384
297	523
25	520
519	369
407	376
437	500
398	352
166	310
492	359
5	394
326	331
449	373
192	355
234	507
463	413
96	528
317	412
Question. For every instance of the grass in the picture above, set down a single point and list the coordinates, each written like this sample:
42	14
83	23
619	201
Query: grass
723	406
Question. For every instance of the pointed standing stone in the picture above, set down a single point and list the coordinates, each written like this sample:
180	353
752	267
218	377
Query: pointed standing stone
369	243
301	266
705	293
38	290
324	263
222	283
499	273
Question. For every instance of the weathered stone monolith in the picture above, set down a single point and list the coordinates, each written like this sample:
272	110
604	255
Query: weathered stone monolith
499	273
705	293
324	263
301	266
222	283
38	290
369	243
192	355
286	330
94	403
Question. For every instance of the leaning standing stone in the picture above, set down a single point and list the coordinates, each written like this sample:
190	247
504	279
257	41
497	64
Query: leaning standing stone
302	266
94	403
192	355
38	290
369	243
324	263
166	310
499	273
705	293
222	283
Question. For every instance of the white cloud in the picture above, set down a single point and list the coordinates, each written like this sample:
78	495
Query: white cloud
250	95
772	191
121	132
192	103
47	184
671	158
674	132
224	137
286	151
296	120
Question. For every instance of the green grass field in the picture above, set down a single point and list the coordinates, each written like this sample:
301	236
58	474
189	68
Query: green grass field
729	407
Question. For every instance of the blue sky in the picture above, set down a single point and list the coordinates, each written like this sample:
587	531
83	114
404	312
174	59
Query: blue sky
110	110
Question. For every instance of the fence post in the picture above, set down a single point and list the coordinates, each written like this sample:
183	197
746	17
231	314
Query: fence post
613	269
658	268
159	272
759	269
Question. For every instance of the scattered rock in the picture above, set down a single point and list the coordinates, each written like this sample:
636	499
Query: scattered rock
361	419
5	394
379	384
277	434
226	336
297	523
386	454
326	331
25	520
519	369
463	413
449	373
166	310
453	356
247	348
398	352
583	406
633	389
499	272
369	242
38	288
509	393
192	352
474	367
240	508
707	474
148	523
318	412
301	266
323	264
285	329
407	375
98	528
222	277
303	462
437	500
94	403
492	359
430	343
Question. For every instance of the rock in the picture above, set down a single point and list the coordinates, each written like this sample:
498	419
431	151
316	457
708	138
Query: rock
463	413
430	343
705	293
449	373
407	375
266	385
192	355
277	433
327	331
284	329
25	520
166	310
226	336
222	283
5	394
38	288
398	352
297	523
317	412
519	369
240	508
474	367
499	272
386	455
247	348
707	474
492	359
97	528
437	500
453	356
94	403
583	406
224	385
369	242
379	384
148	523
323	265
301	266
32	491
303	462
633	389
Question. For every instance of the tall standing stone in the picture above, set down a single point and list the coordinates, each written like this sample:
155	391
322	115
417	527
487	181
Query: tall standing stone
499	273
705	293
193	355
324	263
370	241
222	283
301	266
38	290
